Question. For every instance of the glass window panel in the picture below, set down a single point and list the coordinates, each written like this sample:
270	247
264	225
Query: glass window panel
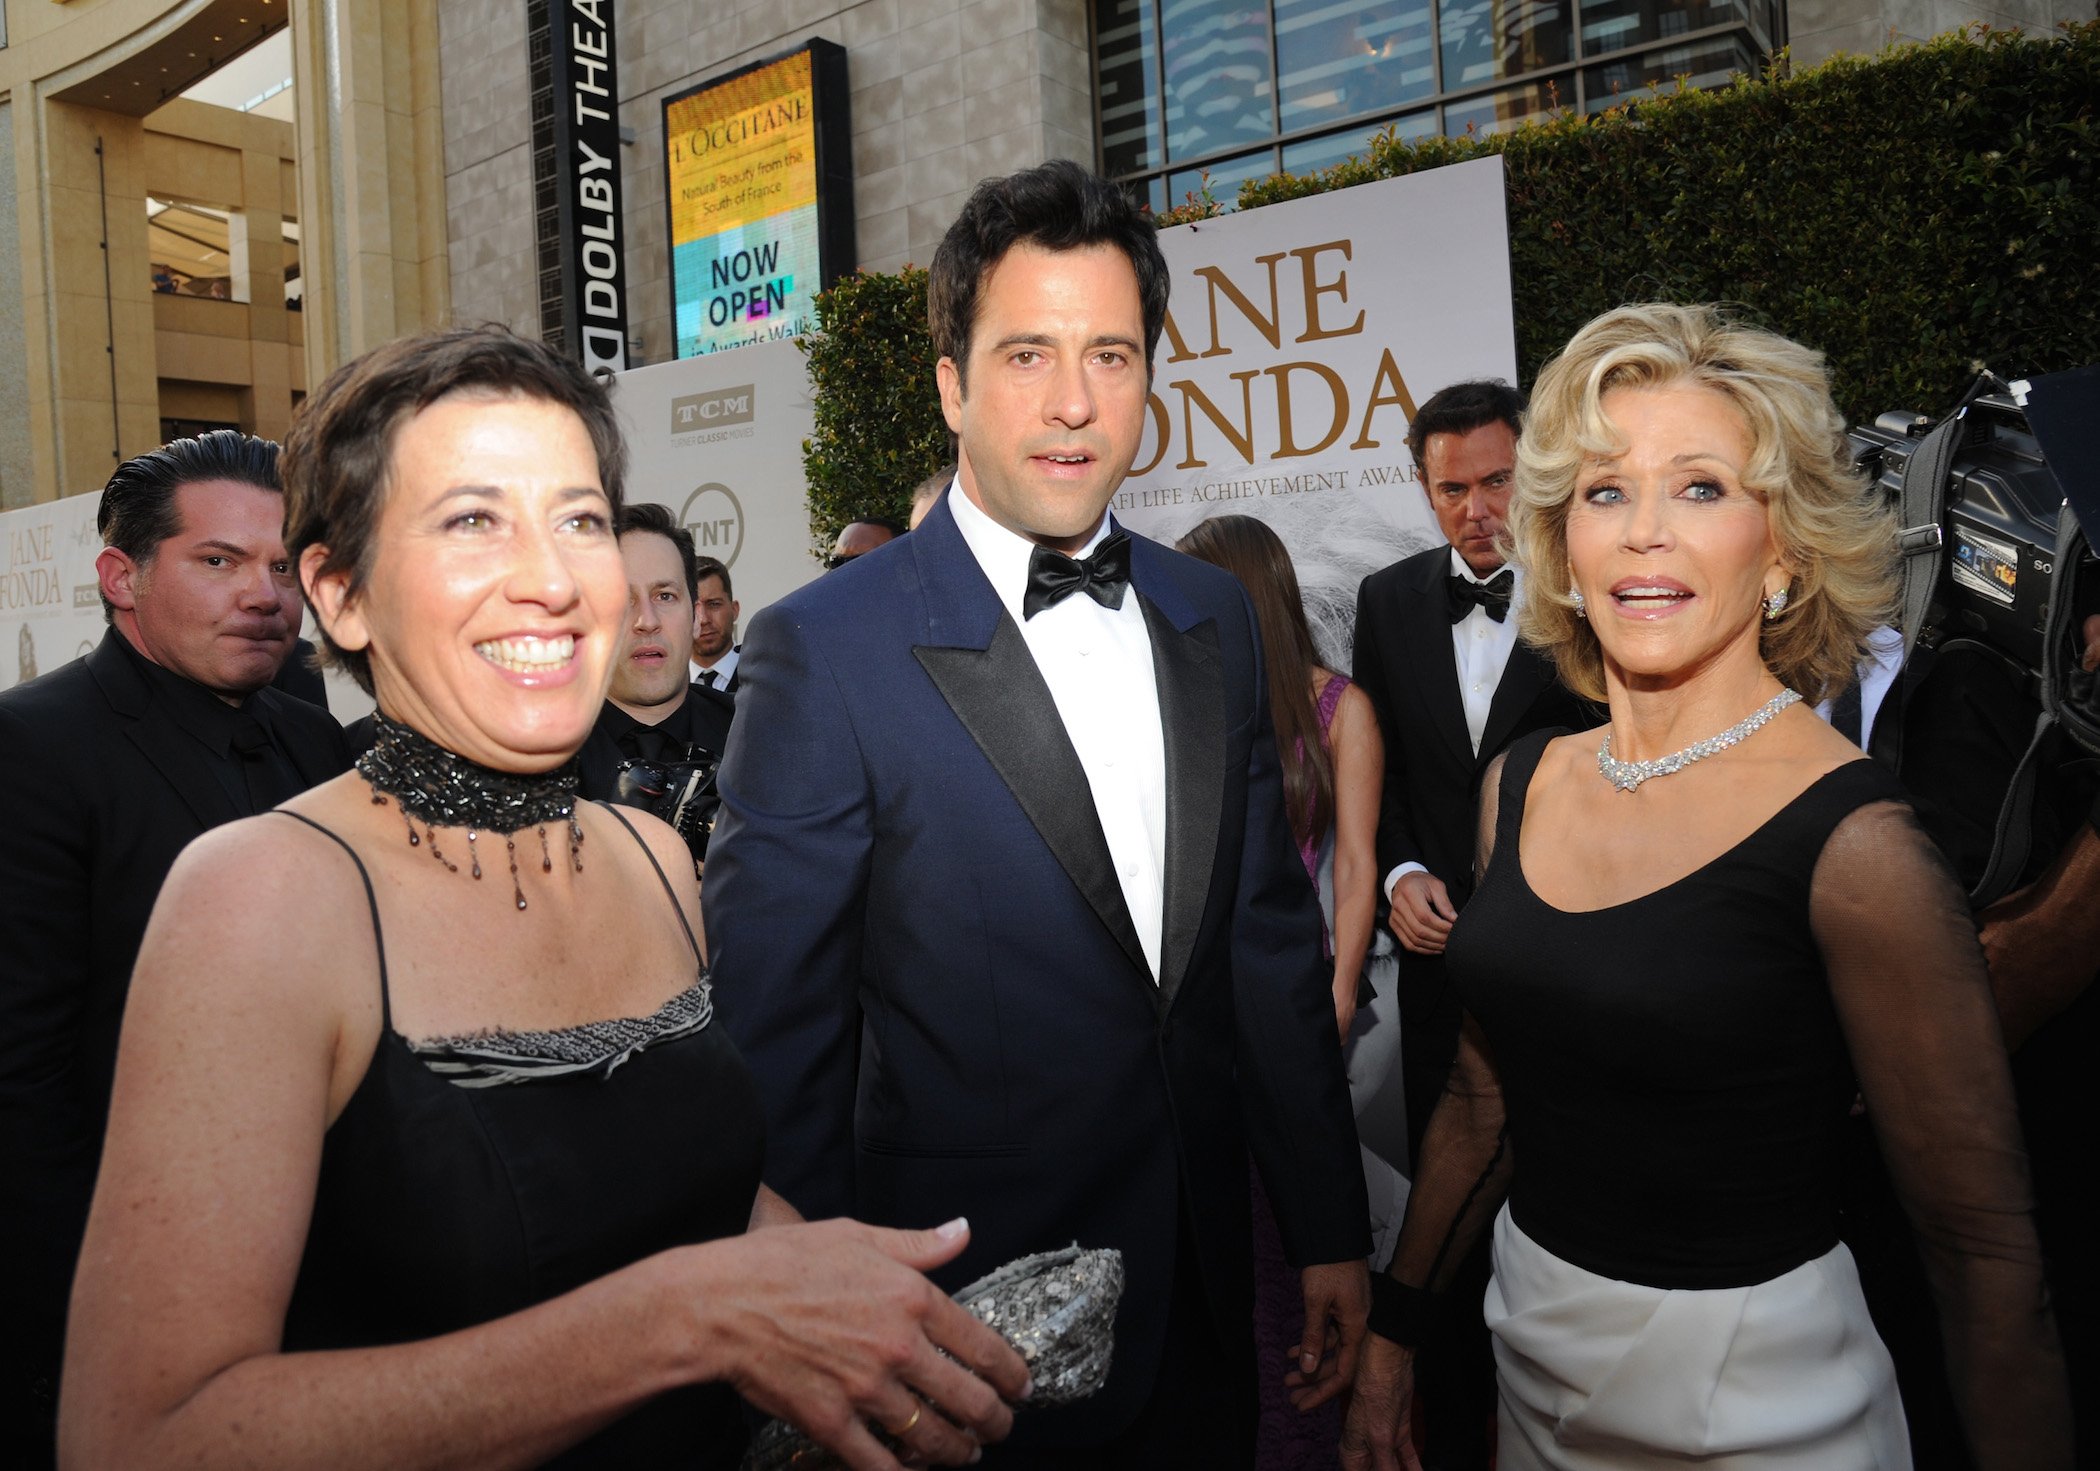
1608	25
1702	64
1219	92
1502	110
1147	193
1341	60
1485	39
1324	152
1125	68
1226	176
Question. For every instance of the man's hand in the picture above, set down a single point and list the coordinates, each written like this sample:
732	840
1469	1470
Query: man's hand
1378	1434
1421	914
2042	943
1337	1301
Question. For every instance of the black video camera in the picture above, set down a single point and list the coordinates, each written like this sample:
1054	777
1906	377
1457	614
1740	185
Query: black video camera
680	791
2014	572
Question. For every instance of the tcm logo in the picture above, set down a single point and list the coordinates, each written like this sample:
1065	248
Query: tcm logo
712	410
716	519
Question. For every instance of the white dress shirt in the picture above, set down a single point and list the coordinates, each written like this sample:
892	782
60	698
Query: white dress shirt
1480	650
1877	676
1098	664
724	670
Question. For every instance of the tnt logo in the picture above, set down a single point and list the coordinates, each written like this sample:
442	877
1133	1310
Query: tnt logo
716	519
712	410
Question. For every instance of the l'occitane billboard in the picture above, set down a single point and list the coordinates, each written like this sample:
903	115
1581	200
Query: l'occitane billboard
761	207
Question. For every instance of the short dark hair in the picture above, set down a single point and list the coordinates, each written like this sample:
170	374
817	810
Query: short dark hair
887	523
706	567
340	451
138	511
1462	408
1058	206
657	521
933	485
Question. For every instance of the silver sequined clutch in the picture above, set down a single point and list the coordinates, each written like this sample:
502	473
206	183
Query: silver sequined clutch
1057	1308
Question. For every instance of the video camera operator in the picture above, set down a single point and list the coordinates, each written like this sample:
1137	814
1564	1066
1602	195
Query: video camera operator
659	737
2005	598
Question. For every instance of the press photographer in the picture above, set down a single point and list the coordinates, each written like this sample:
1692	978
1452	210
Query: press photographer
1995	728
659	737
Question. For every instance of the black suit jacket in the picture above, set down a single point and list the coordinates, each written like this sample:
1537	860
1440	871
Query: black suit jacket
920	944
1404	662
704	719
100	792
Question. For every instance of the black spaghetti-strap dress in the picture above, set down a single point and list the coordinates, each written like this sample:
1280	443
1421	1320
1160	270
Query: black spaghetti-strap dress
471	1179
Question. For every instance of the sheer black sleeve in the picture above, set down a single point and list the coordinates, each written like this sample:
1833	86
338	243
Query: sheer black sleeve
1463	1174
1907	975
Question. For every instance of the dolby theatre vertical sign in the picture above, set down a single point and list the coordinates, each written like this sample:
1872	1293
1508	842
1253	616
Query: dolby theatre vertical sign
587	152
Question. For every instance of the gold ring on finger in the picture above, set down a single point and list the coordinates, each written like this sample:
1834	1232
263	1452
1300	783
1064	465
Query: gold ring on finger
905	1429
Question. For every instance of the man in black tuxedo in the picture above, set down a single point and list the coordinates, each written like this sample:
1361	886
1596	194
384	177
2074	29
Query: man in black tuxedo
108	767
1437	652
715	608
1004	911
653	716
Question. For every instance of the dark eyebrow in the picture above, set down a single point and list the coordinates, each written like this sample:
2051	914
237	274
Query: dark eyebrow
1044	339
495	492
212	543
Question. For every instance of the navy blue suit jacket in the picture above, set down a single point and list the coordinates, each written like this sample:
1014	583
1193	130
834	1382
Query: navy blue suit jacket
920	944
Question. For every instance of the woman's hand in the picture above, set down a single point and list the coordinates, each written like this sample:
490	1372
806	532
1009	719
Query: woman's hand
1345	1004
1378	1434
833	1327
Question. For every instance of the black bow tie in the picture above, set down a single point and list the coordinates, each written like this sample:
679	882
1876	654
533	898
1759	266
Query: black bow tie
1053	576
1463	595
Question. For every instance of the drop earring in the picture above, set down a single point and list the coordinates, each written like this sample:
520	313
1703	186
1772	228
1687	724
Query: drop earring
1775	604
1581	608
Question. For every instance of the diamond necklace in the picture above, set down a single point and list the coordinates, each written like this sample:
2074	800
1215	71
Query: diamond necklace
1627	775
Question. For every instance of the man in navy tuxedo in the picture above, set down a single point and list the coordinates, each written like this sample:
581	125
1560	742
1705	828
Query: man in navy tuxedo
1003	907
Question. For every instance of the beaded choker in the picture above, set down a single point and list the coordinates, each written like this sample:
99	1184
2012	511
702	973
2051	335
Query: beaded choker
440	789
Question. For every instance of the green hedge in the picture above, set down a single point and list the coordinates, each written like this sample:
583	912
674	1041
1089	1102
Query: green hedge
879	426
1913	214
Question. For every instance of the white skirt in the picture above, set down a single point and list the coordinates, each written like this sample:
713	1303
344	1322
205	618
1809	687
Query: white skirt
1787	1375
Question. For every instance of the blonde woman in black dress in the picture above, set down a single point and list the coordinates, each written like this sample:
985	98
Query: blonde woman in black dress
1701	931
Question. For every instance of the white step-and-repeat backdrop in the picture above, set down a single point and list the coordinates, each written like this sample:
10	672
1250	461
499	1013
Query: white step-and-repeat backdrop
1302	336
49	610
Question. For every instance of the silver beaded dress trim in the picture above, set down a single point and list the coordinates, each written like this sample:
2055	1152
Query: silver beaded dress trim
593	1049
1058	1310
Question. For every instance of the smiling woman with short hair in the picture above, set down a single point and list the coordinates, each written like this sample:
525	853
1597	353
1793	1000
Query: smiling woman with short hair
424	1151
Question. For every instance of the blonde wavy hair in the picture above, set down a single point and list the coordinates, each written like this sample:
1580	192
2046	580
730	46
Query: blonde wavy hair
1836	540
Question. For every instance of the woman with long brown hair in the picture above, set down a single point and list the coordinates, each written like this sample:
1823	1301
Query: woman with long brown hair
1333	760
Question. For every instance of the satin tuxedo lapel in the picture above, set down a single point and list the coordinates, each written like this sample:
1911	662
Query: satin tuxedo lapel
977	659
170	752
1425	608
1192	724
999	696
